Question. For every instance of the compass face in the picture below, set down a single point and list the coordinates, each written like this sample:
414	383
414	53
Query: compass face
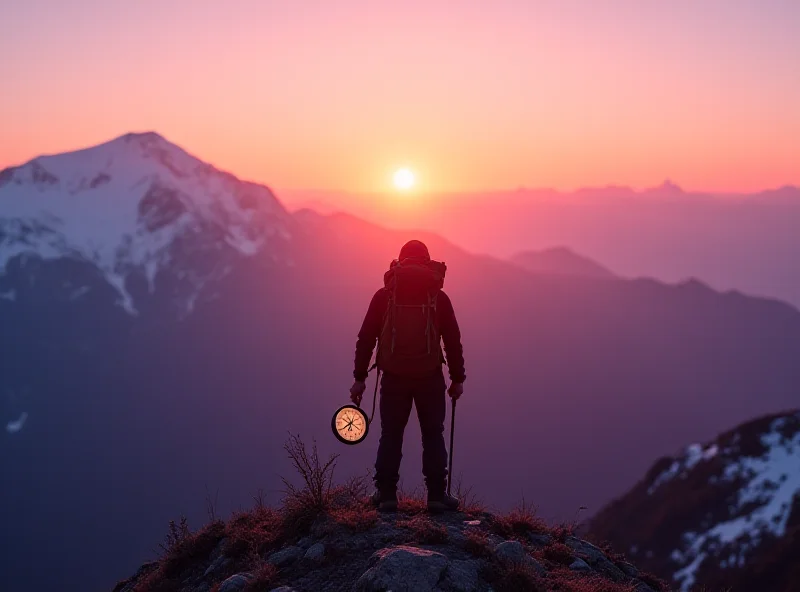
350	424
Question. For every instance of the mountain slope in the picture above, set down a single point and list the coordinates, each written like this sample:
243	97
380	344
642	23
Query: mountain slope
560	261
136	203
723	514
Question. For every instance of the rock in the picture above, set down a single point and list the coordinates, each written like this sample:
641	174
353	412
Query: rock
402	569
282	589
285	556
462	576
642	587
218	564
596	558
513	552
510	552
540	540
235	583
202	587
628	569
305	542
315	553
579	565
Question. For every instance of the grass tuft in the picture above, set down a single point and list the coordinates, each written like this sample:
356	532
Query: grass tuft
424	530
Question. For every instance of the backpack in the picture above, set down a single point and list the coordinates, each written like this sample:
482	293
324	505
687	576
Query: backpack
409	342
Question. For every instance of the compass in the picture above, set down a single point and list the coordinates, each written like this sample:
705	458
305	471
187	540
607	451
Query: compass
350	424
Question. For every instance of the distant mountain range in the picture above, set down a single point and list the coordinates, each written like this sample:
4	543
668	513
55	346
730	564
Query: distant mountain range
171	323
744	242
560	261
721	515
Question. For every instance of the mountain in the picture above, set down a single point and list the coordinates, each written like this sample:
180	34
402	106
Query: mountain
724	514
745	242
560	261
141	399
137	207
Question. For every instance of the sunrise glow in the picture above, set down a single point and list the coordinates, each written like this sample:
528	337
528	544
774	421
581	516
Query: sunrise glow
404	179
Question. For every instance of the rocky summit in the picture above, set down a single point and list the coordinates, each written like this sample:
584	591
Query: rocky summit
347	545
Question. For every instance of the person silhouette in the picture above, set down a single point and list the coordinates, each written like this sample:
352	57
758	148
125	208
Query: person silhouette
409	319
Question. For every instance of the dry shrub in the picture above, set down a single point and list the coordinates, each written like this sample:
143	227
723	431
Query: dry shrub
315	492
518	577
558	553
356	518
425	530
412	502
564	580
470	503
264	577
253	532
519	522
182	550
477	543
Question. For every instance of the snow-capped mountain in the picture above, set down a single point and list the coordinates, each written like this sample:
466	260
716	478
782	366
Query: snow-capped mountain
137	204
724	513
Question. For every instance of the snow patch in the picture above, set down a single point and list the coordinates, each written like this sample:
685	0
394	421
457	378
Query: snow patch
692	456
12	427
770	482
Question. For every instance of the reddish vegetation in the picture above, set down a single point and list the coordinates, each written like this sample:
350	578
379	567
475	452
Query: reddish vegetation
477	543
519	522
357	518
558	553
253	533
424	530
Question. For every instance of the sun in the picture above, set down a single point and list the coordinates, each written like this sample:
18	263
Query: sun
404	179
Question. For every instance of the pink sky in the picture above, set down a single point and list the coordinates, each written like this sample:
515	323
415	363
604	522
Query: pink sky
470	95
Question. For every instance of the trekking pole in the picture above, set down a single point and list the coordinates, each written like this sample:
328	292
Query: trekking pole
452	432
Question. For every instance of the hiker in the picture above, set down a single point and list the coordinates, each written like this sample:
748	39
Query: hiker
409	318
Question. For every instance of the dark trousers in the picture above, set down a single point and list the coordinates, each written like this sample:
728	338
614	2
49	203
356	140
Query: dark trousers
397	396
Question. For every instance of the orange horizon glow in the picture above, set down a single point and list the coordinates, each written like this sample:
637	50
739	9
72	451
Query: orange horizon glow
337	98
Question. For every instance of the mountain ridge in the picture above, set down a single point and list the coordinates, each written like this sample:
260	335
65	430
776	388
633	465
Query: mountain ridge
719	513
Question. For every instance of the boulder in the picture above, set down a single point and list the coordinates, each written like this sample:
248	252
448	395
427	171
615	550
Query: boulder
513	552
285	556
580	565
235	583
596	558
315	553
402	569
463	575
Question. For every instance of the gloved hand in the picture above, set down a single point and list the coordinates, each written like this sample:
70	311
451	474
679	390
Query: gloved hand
456	390
357	391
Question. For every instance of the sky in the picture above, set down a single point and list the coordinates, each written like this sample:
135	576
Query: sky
469	95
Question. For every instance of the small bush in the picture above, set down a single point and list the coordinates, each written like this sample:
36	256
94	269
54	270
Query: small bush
519	522
264	577
558	553
470	503
317	476
477	543
425	530
566	581
518	577
412	502
254	532
357	518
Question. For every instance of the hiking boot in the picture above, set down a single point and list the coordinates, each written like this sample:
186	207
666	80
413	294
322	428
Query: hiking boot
384	501
442	503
